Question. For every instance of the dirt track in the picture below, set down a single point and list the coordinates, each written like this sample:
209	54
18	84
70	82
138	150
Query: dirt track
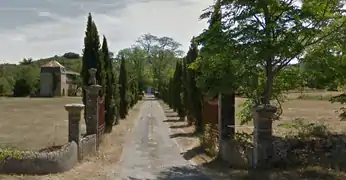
150	153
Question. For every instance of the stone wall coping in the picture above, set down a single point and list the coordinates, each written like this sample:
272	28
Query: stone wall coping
34	163
266	108
93	89
74	107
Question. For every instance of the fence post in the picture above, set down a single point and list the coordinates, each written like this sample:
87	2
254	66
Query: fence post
92	93
74	117
263	140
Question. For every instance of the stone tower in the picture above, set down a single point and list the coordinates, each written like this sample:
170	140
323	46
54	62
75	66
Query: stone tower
53	80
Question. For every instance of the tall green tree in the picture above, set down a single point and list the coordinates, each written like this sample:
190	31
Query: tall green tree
123	89
177	90
216	62
270	34
91	56
162	54
27	81
109	84
261	38
5	86
194	94
135	64
218	68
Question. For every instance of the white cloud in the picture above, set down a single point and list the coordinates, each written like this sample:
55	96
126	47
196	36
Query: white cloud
17	9
44	14
121	27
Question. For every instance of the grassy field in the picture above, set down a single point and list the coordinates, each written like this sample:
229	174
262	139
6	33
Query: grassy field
107	157
313	95
34	123
309	110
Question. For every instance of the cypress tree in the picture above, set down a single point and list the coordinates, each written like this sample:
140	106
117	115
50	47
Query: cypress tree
178	104
100	73
227	98
187	93
91	56
195	94
134	92
109	87
123	109
116	96
170	93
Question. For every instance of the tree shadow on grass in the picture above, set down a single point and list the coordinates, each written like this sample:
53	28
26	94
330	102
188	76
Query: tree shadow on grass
171	115
179	126
174	120
149	99
182	173
193	152
133	178
183	135
167	109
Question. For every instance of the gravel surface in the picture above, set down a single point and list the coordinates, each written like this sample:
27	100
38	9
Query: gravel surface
150	154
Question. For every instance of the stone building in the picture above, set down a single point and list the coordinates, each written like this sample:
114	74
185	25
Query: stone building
55	80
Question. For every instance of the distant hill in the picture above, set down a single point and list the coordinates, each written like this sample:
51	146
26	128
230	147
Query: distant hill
72	64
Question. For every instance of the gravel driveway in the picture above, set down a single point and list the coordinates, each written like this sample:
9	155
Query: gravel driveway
149	152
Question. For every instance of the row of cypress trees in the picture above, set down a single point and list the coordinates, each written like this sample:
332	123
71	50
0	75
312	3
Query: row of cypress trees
116	93
129	89
182	93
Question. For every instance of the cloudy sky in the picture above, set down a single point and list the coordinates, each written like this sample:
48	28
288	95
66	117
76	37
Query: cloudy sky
44	28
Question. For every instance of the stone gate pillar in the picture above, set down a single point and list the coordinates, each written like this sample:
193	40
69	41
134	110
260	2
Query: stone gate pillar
74	117
263	139
92	93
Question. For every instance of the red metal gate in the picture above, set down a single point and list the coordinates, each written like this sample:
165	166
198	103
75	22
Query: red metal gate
101	116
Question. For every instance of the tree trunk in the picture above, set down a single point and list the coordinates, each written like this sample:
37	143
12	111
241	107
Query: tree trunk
268	89
227	113
197	105
190	118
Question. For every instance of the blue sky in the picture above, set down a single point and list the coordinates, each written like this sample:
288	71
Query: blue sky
44	28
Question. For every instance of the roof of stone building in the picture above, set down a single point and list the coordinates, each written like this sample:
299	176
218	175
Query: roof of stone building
56	64
53	63
72	73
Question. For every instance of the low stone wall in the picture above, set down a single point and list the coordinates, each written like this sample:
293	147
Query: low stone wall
42	162
236	154
240	155
67	156
87	146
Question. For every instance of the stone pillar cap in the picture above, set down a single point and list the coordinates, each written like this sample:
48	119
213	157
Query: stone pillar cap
74	107
92	70
95	86
94	89
266	108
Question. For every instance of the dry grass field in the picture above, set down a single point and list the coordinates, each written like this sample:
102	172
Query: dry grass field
317	111
34	123
313	95
107	157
